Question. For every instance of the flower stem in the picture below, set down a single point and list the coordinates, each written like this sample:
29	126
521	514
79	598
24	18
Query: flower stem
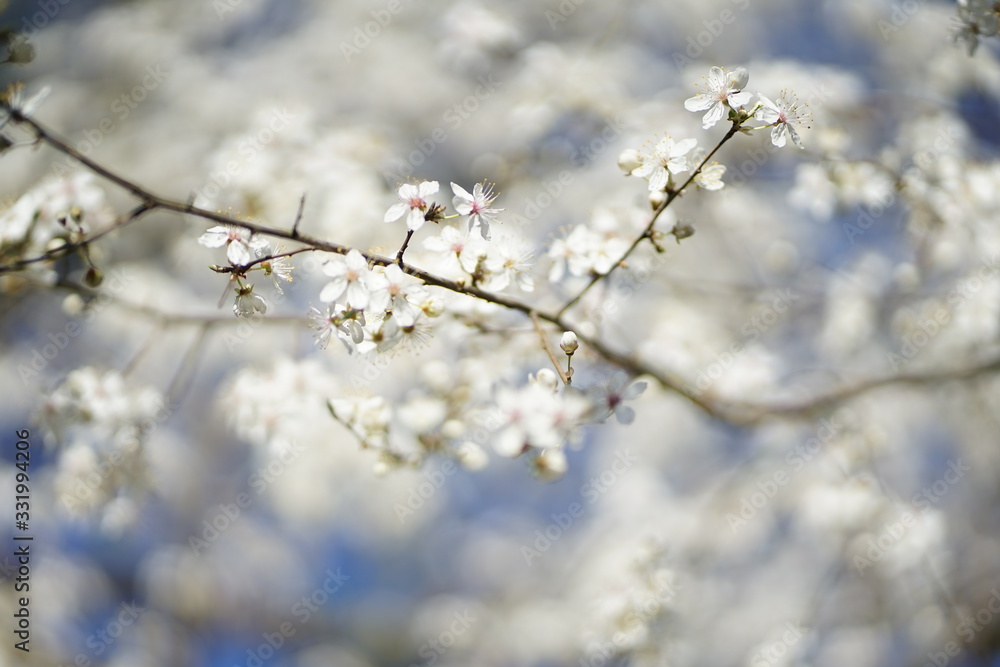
648	231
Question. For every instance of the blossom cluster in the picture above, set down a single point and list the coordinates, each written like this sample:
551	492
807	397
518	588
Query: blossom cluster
725	97
100	422
976	18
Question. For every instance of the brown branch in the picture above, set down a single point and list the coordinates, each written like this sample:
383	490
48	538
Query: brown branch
735	413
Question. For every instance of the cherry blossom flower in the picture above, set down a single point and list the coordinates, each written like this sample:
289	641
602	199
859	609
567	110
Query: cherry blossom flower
506	262
391	289
247	303
349	275
242	245
412	198
976	18
610	398
27	106
710	177
664	159
725	89
782	115
279	270
347	323
476	206
460	253
537	416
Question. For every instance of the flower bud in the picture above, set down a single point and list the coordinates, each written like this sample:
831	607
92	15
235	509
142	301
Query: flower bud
629	160
93	277
656	199
546	379
682	230
550	464
569	343
471	456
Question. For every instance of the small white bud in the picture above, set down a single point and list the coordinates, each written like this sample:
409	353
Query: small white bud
629	160
546	379
550	464
657	198
569	343
471	455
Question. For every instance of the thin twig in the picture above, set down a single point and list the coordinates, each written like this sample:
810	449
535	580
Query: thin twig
648	231
402	248
548	348
298	216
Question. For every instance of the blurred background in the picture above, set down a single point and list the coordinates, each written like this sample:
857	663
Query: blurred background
193	500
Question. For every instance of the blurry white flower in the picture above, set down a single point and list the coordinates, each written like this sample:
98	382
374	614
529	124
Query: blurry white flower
368	417
551	463
536	416
585	252
471	455
507	261
724	89
476	206
610	398
412	198
38	216
242	245
783	114
976	18
710	177
27	106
